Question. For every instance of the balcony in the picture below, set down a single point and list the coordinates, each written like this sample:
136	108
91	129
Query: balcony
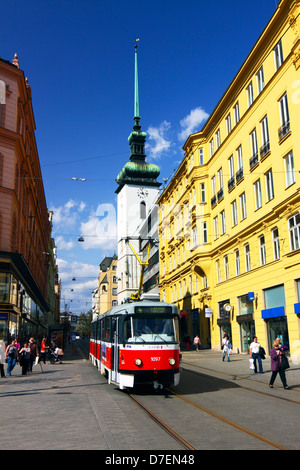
284	130
239	175
213	201
254	160
231	183
264	150
220	194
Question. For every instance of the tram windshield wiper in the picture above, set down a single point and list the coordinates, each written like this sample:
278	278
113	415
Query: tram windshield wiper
156	334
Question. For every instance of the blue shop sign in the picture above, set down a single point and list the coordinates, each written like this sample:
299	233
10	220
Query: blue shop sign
251	296
4	316
273	312
297	308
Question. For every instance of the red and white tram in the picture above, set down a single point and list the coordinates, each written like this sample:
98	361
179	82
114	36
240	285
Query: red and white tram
136	343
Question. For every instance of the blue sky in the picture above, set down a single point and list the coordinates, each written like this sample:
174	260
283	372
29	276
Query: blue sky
78	56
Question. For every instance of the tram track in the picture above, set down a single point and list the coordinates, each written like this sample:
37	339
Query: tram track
182	441
188	442
186	445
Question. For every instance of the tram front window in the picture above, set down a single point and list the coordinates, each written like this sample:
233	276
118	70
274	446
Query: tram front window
143	329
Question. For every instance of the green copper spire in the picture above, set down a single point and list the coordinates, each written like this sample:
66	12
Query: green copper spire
136	86
137	171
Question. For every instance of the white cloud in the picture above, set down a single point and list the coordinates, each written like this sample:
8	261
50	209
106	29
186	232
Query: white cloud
100	231
76	294
191	122
63	244
158	140
66	216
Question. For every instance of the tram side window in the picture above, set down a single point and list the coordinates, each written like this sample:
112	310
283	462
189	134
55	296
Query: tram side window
105	329
93	330
127	331
98	329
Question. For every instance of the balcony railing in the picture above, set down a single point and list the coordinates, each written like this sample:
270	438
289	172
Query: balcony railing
239	174
254	160
213	201
284	130
264	149
220	194
231	183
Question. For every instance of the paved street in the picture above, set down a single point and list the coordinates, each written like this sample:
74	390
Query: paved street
70	406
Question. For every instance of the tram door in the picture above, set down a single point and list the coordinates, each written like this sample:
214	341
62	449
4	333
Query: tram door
115	350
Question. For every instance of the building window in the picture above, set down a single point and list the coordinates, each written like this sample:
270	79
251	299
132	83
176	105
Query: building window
289	169
254	150
239	156
236	110
262	250
276	245
228	124
284	117
204	232
278	55
247	257
218	271
249	94
223	226
274	296
201	156
269	185
234	213
143	210
294	229
257	194
237	262
211	146
265	137
195	241
216	227
226	267
202	193
218	138
260	80
243	206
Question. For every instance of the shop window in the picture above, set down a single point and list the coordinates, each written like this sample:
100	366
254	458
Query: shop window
274	297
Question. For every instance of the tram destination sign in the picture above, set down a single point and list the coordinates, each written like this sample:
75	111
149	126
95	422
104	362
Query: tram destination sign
153	310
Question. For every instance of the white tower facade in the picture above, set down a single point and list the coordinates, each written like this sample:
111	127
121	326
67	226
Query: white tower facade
137	193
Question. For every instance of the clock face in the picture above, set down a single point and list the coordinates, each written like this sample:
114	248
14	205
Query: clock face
142	192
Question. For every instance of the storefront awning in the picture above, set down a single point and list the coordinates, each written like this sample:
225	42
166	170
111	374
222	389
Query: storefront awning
273	312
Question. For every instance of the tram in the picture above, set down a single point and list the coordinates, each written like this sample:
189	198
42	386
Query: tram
137	343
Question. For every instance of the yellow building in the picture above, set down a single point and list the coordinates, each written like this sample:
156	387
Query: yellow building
107	284
230	218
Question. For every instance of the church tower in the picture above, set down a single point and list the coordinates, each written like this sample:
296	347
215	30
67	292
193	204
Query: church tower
137	192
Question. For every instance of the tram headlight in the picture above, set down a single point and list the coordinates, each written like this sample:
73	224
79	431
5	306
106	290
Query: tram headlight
172	361
138	362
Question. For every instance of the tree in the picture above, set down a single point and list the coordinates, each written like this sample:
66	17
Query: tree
84	323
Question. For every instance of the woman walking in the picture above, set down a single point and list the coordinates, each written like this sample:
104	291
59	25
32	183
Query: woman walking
11	354
44	349
276	365
24	354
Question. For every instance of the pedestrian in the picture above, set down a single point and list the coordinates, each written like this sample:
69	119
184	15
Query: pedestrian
197	342
226	346
11	355
276	355
44	349
24	355
255	354
34	352
2	357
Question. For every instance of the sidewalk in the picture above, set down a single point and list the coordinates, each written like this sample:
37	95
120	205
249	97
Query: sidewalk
211	363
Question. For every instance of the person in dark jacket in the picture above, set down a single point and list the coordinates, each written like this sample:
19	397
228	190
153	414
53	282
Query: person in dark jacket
276	366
